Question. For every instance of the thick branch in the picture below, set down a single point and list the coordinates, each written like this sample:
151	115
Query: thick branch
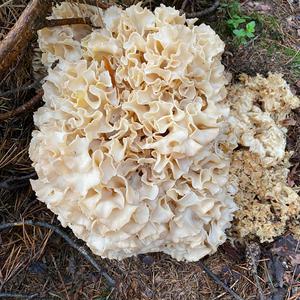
21	33
80	249
23	108
32	18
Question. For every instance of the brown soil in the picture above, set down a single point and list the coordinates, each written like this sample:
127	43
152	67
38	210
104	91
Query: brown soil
34	260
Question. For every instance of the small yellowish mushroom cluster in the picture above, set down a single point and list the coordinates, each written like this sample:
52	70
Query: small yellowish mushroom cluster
127	147
259	168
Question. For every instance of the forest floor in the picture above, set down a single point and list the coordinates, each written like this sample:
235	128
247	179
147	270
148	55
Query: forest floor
37	261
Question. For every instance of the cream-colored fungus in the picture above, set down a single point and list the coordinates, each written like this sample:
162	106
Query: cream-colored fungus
135	139
259	168
127	147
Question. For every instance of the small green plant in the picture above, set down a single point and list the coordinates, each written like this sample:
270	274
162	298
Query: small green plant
232	7
242	34
241	26
235	21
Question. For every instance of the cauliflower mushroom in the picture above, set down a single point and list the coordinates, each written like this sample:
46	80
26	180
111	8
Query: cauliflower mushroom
259	169
127	148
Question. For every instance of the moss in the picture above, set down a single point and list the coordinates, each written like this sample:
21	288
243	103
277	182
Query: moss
267	26
293	60
286	56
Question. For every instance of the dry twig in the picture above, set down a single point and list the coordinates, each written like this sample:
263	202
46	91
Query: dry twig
60	277
98	3
183	6
16	182
23	108
21	89
218	281
67	21
18	296
80	249
202	13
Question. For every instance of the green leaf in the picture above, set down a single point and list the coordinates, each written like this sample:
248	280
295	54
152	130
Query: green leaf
243	41
235	22
241	20
235	17
239	32
250	35
250	27
230	22
224	5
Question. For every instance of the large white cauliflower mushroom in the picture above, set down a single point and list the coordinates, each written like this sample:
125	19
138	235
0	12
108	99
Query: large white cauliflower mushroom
127	147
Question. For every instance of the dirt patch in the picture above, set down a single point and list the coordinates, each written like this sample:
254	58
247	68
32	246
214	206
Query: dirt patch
36	260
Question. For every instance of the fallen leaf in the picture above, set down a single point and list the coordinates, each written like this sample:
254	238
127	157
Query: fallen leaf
234	253
292	175
278	294
259	6
279	271
285	246
290	182
148	293
288	278
37	267
148	260
295	259
71	268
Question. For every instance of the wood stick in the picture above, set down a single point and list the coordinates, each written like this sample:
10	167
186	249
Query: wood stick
67	21
23	108
18	296
21	89
13	183
215	278
80	249
98	3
